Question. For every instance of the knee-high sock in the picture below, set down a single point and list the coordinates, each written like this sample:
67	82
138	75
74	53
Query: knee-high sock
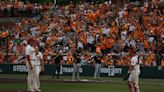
131	87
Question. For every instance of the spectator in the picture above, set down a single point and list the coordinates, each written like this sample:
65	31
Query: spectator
98	28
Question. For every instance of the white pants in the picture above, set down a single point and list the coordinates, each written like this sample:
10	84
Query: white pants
37	70
76	71
33	78
97	71
134	79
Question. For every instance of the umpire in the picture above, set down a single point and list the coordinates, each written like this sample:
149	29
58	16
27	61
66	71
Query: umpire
57	61
97	64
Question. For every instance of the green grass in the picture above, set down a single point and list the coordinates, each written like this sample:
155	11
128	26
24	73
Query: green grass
71	87
116	85
83	87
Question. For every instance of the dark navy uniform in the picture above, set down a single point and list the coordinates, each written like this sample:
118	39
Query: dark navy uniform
97	60
76	66
57	66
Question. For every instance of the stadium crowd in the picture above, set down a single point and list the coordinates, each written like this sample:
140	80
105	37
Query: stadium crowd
110	29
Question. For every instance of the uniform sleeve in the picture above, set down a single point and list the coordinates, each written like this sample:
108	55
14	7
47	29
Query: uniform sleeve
28	51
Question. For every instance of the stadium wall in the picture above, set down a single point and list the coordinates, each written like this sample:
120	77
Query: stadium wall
85	70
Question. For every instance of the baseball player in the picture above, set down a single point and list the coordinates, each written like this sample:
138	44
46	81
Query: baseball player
39	66
134	70
57	64
97	64
76	66
31	58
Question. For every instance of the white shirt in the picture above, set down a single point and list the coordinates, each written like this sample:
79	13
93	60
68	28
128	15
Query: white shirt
65	58
106	31
39	58
80	45
131	28
33	30
123	35
90	39
31	52
133	43
110	1
151	39
121	13
135	62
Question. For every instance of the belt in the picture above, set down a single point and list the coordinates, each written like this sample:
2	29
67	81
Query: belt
77	63
37	65
33	59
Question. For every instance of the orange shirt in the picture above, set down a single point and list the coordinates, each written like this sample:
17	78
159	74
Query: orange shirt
102	17
104	43
83	38
44	28
54	37
113	30
110	42
94	16
69	59
1	58
98	49
136	34
103	47
89	16
106	60
157	30
46	17
78	29
78	15
126	14
146	44
120	42
162	62
74	24
152	57
67	28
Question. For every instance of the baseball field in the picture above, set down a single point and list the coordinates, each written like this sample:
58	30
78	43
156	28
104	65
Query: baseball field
17	83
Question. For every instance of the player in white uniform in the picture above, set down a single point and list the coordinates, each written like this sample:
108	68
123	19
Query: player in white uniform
134	70
39	66
31	59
